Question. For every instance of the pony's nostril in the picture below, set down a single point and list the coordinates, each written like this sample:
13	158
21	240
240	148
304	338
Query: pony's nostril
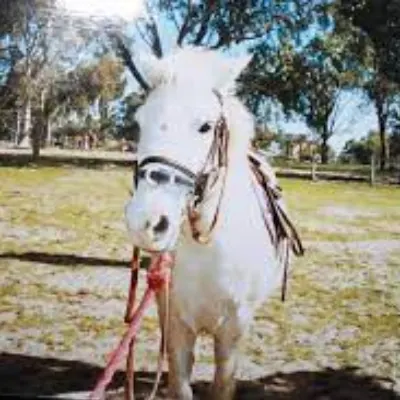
162	225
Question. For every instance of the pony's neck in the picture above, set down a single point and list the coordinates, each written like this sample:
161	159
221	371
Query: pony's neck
241	130
238	174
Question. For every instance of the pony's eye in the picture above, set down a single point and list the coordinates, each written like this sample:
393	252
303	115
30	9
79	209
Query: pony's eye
205	127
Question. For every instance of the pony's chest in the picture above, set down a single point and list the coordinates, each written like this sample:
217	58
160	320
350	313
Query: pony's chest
210	285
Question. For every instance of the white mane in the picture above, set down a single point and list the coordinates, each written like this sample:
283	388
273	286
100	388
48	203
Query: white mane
241	125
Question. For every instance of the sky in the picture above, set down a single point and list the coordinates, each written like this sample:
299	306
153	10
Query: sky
356	120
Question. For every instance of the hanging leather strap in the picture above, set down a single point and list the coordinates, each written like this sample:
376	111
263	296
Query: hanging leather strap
217	158
284	226
281	230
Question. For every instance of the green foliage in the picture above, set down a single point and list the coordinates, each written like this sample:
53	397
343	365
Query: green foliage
376	24
306	55
306	81
380	20
128	128
394	145
98	85
41	77
360	151
220	24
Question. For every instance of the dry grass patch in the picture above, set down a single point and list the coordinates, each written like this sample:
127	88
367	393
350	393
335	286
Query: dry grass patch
343	300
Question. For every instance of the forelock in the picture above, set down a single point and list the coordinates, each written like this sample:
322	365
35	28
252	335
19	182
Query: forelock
193	65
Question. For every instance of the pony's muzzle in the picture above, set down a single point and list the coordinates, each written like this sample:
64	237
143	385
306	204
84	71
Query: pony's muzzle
154	215
153	232
161	227
156	229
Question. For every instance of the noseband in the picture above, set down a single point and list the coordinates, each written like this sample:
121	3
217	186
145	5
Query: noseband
151	169
155	175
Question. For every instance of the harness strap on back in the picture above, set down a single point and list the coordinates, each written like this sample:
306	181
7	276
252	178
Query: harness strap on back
283	231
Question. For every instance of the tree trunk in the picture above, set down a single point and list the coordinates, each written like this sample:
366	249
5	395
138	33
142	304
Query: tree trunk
324	149
38	128
380	99
18	128
103	108
382	137
36	143
37	138
49	133
27	119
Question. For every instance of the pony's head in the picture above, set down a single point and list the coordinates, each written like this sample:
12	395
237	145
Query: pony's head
191	95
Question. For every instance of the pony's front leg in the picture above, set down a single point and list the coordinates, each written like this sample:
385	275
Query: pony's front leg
180	344
181	341
226	350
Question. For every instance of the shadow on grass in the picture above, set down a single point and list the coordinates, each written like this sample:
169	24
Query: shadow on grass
33	377
64	259
69	259
25	160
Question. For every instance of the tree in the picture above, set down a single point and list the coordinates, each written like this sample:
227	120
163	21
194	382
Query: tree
37	47
380	20
219	25
360	151
88	93
394	145
308	81
108	85
27	35
128	128
394	137
274	31
295	63
384	95
377	50
30	53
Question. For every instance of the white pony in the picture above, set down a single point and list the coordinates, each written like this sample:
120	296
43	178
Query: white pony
216	284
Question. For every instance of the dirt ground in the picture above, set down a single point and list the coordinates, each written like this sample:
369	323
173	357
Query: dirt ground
64	281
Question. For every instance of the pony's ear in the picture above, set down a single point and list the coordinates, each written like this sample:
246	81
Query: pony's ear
231	71
150	67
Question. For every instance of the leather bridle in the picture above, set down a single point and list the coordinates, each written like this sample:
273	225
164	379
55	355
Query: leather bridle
213	171
153	169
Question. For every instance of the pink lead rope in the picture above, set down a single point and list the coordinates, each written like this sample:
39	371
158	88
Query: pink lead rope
157	277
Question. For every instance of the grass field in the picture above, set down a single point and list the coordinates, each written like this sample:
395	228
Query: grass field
64	281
